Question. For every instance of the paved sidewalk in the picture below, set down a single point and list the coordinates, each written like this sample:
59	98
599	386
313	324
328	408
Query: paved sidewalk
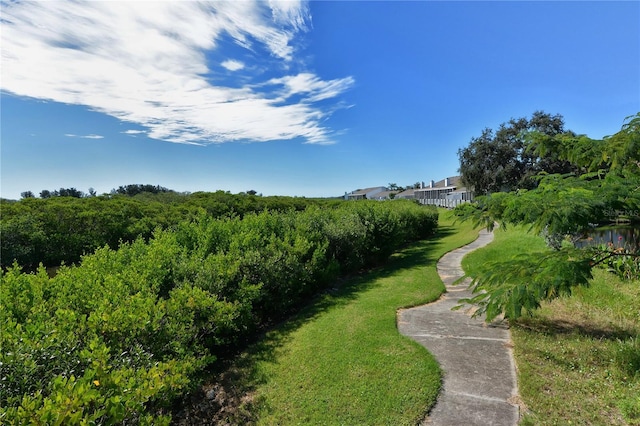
479	371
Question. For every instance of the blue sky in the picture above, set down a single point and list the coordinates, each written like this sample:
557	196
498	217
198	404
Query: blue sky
295	98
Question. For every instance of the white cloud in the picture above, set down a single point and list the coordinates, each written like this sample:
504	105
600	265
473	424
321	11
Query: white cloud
147	64
91	136
290	13
313	87
232	65
133	132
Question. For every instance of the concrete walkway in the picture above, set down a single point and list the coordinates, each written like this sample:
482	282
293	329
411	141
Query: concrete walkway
480	386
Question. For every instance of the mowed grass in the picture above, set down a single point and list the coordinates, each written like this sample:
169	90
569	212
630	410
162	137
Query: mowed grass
342	360
578	357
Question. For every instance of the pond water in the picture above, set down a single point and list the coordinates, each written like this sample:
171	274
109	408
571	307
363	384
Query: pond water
619	236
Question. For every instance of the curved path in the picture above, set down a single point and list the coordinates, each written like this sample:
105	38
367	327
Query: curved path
480	386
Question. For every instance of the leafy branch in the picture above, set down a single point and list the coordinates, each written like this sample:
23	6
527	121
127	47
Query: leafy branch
617	252
517	286
561	208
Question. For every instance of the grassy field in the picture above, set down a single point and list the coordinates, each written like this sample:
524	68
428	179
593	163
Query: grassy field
342	361
578	357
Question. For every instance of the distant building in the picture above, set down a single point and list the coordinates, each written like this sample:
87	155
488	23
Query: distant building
365	194
448	192
384	195
408	194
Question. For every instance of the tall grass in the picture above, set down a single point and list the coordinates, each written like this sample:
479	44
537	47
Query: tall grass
578	357
342	361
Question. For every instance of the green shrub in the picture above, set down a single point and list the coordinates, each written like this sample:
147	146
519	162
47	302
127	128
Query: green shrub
122	335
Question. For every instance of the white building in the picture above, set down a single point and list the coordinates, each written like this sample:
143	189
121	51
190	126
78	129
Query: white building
448	192
365	194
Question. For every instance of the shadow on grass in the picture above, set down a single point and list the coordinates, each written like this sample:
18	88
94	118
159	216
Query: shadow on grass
230	394
560	327
621	346
346	290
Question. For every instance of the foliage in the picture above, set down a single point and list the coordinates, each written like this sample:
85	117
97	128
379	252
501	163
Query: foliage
136	189
61	229
578	357
562	208
502	161
618	153
120	336
62	192
519	284
341	360
58	230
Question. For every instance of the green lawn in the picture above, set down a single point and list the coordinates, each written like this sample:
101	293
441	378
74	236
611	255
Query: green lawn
342	361
578	357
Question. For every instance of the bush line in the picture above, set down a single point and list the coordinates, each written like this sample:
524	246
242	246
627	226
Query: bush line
61	229
125	333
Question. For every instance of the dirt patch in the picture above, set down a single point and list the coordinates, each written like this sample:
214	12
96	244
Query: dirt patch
222	402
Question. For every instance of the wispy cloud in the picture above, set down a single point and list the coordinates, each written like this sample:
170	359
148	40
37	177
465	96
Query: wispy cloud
311	87
148	64
91	136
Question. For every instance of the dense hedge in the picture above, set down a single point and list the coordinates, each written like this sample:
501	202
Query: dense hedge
120	337
61	229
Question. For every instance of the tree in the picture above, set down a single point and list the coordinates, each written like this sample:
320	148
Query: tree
70	192
62	192
27	194
561	207
135	189
502	160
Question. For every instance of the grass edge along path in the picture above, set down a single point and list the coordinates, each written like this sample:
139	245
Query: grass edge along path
342	360
577	357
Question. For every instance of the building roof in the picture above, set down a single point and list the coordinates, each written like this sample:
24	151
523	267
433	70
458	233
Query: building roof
453	183
384	194
406	193
367	190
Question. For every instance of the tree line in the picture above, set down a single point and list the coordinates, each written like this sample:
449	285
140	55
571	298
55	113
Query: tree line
130	190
